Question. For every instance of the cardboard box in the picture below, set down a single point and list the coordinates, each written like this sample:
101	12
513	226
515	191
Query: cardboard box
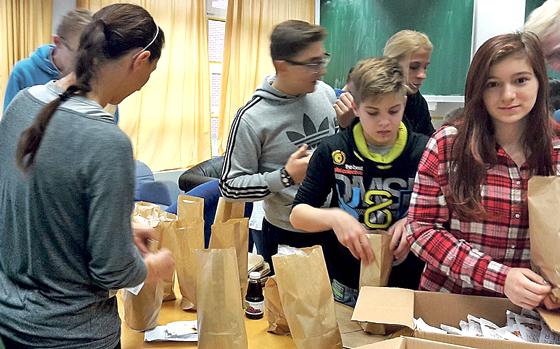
411	343
394	306
350	331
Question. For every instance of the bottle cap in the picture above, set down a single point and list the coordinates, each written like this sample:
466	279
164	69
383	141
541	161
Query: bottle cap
255	275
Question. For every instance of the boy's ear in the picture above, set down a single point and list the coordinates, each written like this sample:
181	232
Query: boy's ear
279	65
56	40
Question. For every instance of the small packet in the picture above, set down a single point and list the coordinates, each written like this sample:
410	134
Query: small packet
421	325
547	336
285	250
451	330
531	314
489	329
506	332
474	327
530	328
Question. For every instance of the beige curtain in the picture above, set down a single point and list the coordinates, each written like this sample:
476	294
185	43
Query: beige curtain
26	25
168	121
247	50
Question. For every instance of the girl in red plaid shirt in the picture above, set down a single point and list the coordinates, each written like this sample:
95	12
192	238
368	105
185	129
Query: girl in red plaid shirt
468	217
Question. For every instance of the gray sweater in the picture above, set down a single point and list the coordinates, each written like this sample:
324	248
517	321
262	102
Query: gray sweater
264	133
65	234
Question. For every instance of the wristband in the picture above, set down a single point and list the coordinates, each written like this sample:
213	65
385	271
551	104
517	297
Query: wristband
285	177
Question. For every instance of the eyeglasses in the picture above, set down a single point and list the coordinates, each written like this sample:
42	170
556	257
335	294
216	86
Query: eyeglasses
314	66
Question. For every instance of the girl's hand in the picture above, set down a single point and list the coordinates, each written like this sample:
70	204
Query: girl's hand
525	288
399	244
549	303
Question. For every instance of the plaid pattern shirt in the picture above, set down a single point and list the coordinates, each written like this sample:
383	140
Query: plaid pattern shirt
465	256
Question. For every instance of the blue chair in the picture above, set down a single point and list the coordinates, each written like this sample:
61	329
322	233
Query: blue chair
143	175
148	189
210	192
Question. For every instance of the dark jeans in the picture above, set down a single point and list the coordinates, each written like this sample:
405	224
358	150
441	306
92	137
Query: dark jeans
273	236
255	237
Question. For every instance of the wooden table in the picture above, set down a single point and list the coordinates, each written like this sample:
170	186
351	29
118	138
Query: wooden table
170	311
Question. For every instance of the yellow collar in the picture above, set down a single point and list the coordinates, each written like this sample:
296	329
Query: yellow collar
388	158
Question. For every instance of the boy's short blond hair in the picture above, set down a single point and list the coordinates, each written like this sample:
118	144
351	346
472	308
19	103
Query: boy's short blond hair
406	42
73	23
543	19
376	76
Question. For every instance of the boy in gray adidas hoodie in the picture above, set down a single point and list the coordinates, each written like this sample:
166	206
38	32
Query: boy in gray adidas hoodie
272	136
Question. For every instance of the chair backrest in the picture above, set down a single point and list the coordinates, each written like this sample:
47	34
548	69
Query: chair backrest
201	173
143	175
155	192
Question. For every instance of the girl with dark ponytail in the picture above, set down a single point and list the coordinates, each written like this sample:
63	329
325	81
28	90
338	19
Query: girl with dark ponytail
66	193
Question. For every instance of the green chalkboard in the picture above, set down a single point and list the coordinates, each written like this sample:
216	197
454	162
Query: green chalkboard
530	5
360	28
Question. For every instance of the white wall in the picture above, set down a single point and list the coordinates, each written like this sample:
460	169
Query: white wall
494	17
60	7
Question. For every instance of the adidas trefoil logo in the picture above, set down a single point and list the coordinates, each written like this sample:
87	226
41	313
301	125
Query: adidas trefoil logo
312	135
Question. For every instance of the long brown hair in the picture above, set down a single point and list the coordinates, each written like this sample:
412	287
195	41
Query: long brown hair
474	148
114	31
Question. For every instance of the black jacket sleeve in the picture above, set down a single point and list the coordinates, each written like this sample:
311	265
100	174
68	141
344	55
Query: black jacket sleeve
319	179
425	125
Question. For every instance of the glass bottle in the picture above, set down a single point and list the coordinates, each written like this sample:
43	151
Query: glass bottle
254	301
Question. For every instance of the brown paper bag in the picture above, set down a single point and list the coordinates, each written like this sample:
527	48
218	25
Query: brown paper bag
220	311
378	271
189	236
165	231
141	311
152	215
544	227
147	213
277	322
230	229
229	209
307	299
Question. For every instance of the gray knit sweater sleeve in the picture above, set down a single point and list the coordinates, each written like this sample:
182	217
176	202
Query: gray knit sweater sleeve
115	261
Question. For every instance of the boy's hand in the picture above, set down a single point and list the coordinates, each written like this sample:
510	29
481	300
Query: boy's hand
399	244
297	164
352	235
343	108
525	288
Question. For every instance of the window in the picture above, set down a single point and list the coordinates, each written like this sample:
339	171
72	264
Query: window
216	16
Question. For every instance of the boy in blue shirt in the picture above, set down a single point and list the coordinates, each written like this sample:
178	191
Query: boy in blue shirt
49	62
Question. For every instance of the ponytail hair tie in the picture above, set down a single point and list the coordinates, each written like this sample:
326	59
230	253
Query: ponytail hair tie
65	95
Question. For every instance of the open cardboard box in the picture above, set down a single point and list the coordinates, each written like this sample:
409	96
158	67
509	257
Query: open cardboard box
411	343
398	307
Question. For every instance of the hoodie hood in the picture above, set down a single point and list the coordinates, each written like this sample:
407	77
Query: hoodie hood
42	59
271	94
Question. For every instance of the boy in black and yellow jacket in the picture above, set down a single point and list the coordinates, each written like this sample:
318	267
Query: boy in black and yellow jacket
370	169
